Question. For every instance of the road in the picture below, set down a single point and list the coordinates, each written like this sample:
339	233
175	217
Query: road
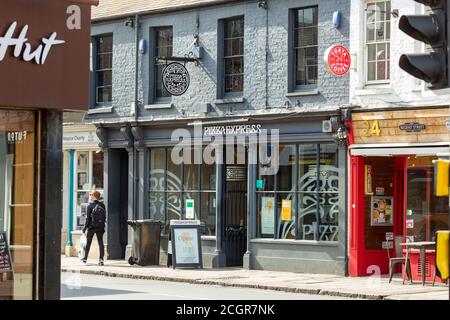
92	287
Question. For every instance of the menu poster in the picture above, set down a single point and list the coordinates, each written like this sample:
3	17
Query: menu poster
5	255
382	211
267	215
186	246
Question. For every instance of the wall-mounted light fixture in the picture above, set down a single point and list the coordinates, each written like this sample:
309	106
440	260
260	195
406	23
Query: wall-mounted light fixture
129	22
262	4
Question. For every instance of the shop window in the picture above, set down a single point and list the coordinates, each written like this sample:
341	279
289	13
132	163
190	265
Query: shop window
302	200
17	203
89	176
378	33
103	46
185	191
425	213
303	61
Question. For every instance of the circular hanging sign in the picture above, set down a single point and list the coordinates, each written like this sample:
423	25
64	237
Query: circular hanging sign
337	60
175	78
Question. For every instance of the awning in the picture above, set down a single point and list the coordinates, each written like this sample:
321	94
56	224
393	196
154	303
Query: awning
385	150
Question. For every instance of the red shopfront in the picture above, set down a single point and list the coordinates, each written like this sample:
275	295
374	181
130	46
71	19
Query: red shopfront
391	186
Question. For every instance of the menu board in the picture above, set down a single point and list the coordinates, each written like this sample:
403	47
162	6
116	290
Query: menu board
5	255
186	245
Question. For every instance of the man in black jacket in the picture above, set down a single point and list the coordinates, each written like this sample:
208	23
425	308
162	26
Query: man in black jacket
95	224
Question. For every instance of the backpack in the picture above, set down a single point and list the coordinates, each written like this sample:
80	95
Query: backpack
98	216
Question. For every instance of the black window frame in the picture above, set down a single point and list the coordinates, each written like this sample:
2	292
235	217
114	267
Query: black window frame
94	72
292	50
153	98
221	68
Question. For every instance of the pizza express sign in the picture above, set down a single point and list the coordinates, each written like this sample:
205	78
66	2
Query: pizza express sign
175	79
44	53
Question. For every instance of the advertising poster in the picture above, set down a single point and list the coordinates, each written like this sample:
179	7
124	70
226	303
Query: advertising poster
286	210
186	245
268	215
382	211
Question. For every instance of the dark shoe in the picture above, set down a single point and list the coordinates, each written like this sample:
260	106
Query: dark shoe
100	263
84	260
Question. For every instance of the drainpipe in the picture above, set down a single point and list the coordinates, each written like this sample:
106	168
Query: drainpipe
71	200
136	116
267	56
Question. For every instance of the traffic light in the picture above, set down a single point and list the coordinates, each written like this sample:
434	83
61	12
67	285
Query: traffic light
441	178
430	28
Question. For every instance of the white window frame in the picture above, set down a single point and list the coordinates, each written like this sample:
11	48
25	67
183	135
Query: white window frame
77	191
366	47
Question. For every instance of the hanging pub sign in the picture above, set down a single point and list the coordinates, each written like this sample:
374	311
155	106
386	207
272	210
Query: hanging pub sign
5	255
186	244
337	60
175	78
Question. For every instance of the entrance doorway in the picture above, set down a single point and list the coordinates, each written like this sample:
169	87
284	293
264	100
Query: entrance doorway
235	205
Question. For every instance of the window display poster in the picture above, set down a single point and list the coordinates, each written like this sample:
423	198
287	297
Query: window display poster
409	223
286	210
382	211
189	208
267	215
186	246
5	255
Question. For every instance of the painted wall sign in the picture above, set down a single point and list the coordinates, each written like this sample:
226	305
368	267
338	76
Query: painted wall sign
412	127
186	245
44	54
337	60
5	254
175	78
406	126
232	130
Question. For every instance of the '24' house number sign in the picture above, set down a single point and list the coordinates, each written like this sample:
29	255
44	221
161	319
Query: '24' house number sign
175	78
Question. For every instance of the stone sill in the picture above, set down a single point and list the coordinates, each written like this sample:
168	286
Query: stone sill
297	242
303	93
159	106
229	100
100	110
372	91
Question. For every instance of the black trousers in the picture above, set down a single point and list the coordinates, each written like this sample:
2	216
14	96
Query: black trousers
90	234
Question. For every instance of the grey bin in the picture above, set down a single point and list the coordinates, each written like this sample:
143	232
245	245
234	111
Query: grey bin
146	238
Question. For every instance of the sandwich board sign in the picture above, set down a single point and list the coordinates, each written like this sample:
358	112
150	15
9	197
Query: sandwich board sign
186	244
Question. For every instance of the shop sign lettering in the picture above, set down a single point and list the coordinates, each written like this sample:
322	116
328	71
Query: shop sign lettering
16	137
326	232
233	130
412	127
23	48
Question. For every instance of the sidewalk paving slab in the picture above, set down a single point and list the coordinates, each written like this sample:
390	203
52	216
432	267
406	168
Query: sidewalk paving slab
332	285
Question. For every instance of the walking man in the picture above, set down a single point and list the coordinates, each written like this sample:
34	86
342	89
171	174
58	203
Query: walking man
95	224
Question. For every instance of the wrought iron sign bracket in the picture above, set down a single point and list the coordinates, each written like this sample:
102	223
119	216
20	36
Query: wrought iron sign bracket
187	58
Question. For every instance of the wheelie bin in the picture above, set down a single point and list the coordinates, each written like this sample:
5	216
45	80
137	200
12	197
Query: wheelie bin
145	243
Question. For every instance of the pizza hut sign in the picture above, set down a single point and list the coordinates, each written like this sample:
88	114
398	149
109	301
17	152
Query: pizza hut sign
337	60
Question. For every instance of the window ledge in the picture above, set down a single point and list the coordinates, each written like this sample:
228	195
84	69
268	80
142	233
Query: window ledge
159	106
303	93
373	90
297	242
100	110
230	100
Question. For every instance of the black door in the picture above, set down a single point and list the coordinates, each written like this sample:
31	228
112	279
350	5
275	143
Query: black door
235	235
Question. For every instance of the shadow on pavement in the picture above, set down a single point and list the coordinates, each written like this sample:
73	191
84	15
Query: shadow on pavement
68	291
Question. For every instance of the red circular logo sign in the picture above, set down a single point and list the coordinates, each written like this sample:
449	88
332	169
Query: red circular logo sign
337	60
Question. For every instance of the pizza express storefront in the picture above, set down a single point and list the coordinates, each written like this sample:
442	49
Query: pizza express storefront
392	183
288	219
37	84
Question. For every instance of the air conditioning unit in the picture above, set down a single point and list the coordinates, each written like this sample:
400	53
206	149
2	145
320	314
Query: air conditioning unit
327	127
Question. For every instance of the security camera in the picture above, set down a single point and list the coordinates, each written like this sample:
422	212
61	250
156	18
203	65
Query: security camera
262	4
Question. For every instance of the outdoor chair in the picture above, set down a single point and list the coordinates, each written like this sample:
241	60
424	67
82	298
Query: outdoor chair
398	259
441	265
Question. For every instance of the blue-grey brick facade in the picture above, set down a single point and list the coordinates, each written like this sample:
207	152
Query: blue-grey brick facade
265	96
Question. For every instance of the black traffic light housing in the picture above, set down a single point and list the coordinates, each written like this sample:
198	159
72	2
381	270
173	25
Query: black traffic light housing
432	29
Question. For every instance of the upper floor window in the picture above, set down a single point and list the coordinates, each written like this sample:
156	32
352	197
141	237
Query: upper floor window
306	47
378	34
163	48
103	69
233	55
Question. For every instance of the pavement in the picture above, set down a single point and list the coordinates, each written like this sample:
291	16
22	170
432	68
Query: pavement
373	287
